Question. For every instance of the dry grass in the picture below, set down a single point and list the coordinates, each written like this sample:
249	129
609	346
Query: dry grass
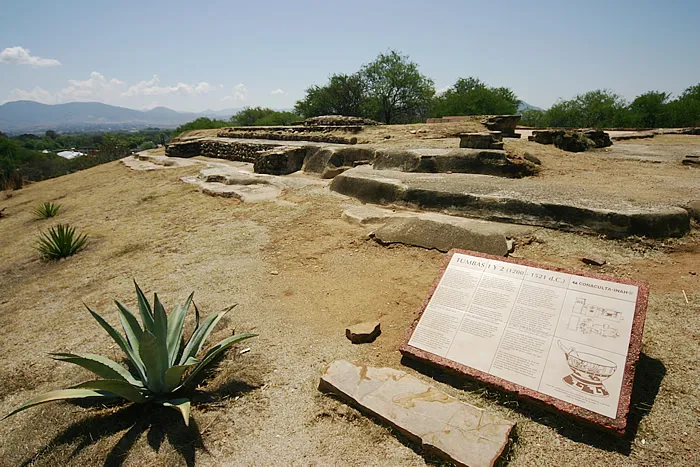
263	408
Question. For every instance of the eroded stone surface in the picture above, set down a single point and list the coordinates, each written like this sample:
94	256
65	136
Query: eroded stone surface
145	161
529	202
240	183
442	236
461	433
364	332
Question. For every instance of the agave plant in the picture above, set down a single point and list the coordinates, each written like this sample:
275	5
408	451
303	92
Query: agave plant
162	365
59	242
46	209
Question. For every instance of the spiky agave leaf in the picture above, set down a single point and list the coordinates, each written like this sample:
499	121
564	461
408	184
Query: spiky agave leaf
212	354
152	351
46	210
182	405
201	334
100	365
176	326
59	242
61	394
130	353
115	386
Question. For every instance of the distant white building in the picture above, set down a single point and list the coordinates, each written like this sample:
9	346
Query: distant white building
70	154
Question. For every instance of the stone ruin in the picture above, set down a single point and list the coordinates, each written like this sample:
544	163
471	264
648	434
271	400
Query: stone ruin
483	140
572	140
337	120
506	124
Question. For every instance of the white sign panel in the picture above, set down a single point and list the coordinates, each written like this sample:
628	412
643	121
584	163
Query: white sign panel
562	335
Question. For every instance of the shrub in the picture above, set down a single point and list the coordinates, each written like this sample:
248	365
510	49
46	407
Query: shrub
161	363
59	242
46	209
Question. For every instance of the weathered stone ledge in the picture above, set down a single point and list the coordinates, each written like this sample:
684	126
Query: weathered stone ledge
282	159
521	203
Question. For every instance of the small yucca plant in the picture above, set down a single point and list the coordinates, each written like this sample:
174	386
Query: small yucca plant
46	210
59	242
162	363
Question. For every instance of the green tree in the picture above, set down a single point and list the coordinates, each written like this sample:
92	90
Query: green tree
534	118
202	123
594	109
250	115
263	116
685	110
647	110
601	109
470	96
343	95
397	91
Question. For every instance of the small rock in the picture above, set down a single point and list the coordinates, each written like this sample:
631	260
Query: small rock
693	209
511	245
413	132
531	158
387	136
593	260
274	273
363	332
332	172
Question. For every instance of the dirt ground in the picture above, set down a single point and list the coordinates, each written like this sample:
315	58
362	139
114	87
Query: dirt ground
300	275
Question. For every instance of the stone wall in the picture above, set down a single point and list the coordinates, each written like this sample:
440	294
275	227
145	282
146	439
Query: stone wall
288	135
229	150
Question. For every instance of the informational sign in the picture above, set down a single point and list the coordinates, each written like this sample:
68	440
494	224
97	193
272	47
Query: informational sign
556	334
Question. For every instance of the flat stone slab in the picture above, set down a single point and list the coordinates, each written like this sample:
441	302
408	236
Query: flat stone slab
458	432
237	181
522	201
368	215
145	161
567	339
441	236
433	230
363	333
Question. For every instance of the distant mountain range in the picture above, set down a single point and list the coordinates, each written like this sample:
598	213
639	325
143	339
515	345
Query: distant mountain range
28	116
525	106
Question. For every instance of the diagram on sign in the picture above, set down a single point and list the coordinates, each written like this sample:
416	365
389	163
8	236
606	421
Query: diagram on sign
591	319
588	371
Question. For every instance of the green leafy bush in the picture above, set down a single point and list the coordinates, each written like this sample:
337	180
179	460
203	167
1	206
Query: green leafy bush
46	210
162	364
59	242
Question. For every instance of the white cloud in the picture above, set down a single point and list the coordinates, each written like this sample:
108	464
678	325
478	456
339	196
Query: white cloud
239	93
97	87
145	94
277	92
21	56
152	88
37	94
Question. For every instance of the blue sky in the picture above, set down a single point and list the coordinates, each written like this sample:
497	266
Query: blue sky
198	55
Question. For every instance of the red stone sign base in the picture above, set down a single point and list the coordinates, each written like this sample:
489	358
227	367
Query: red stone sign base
615	425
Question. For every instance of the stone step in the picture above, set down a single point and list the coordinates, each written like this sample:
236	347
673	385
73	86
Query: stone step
520	201
433	230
